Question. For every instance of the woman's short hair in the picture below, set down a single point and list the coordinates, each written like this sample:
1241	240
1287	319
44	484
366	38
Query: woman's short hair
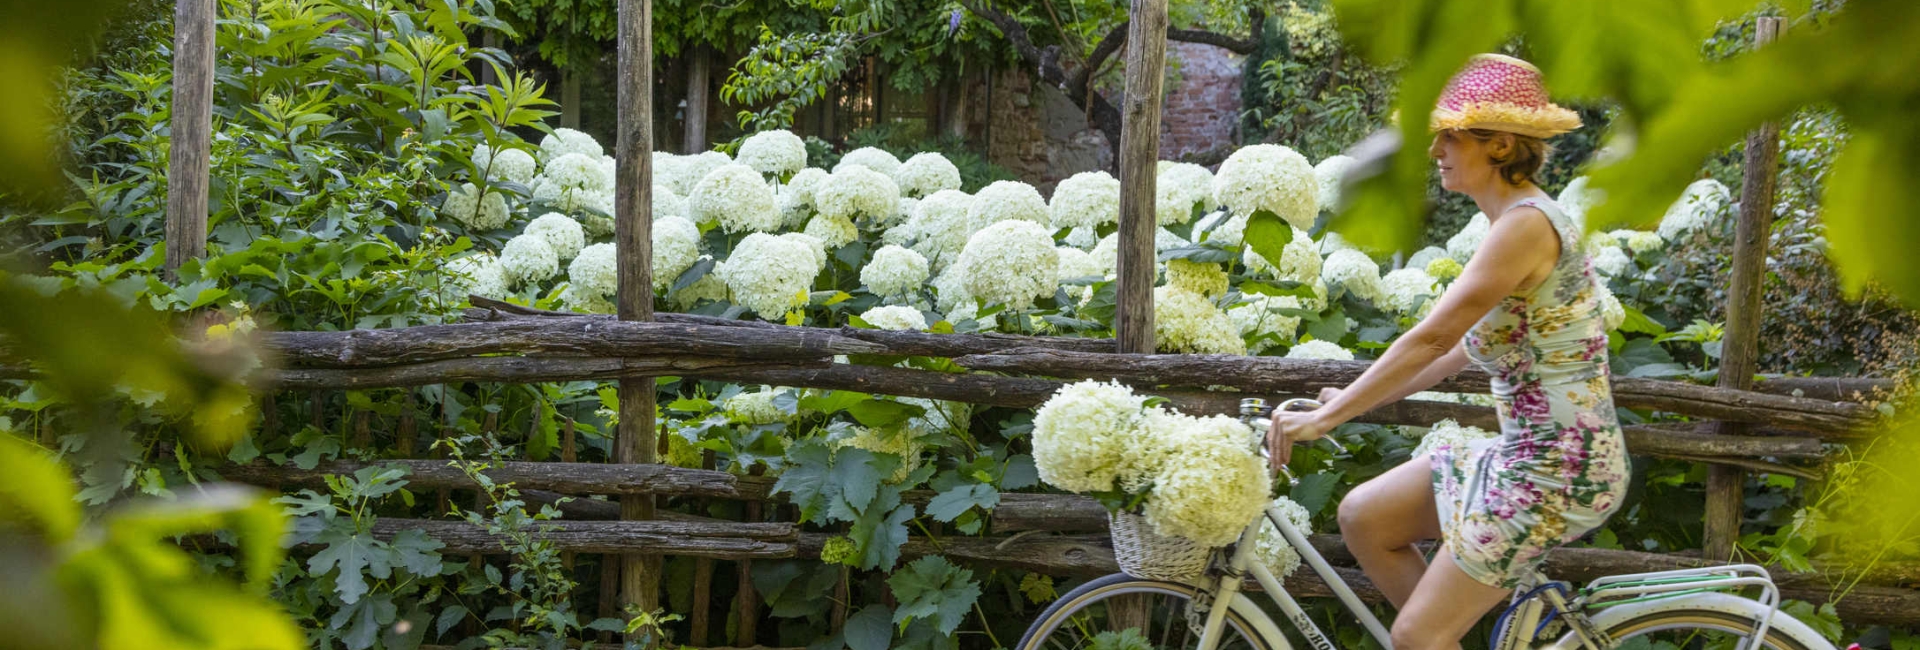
1524	159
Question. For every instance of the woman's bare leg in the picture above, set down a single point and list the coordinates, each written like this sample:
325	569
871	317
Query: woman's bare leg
1445	605
1382	518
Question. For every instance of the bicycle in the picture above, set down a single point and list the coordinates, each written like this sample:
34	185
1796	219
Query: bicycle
1699	607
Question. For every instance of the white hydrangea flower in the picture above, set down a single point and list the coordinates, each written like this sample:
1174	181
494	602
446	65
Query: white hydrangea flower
950	291
509	164
904	233
944	226
905	208
894	271
1318	349
757	407
1076	263
1299	260
895	317
1260	315
1269	177
595	272
1696	208
1331	242
1211	489
1164	240
528	259
970	310
561	232
1450	434
872	158
1187	322
1231	229
1007	200
925	173
479	274
1328	176
812	243
1641	241
1082	239
796	196
770	275
1082	434
1424	256
1462	245
776	152
1272	548
735	196
1577	199
833	232
1612	313
1204	278
667	203
1107	252
676	246
1011	263
1178	188
699	165
1352	269
568	141
1406	288
572	182
854	191
1612	262
466	206
1086	199
671	171
1444	269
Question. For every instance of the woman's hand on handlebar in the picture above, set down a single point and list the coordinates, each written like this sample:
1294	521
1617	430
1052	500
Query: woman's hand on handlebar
1290	427
1328	394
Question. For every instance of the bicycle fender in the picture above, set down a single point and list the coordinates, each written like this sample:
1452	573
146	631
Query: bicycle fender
1752	610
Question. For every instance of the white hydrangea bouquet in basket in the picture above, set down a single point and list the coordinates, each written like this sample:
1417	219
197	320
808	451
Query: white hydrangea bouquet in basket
1176	485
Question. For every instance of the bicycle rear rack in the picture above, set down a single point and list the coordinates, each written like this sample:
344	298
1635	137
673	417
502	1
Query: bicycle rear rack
1641	587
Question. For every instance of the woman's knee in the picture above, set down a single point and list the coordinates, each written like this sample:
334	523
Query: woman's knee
1358	510
1407	637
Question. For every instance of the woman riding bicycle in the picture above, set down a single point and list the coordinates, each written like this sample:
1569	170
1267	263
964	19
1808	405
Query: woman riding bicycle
1525	311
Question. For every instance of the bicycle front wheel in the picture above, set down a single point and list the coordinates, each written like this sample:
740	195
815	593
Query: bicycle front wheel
1699	629
1121	611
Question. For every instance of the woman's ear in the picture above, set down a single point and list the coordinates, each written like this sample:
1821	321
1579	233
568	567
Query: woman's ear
1501	146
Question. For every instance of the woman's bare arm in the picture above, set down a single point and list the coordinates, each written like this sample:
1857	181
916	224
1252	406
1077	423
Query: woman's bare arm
1516	248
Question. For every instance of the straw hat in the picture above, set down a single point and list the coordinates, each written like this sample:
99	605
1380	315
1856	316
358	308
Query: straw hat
1500	93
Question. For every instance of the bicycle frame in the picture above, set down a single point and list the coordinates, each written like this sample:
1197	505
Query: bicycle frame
1243	562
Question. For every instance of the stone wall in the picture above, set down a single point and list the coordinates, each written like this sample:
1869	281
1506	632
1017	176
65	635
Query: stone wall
1039	134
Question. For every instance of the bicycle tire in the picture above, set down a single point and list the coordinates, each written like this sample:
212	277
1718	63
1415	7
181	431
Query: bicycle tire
1701	619
1094	592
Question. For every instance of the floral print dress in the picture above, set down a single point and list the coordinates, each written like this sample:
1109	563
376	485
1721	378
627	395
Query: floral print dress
1559	467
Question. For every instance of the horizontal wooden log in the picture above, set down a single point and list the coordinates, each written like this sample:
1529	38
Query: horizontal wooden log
1839	389
723	540
568	478
520	370
1024	392
1308	376
578	337
895	342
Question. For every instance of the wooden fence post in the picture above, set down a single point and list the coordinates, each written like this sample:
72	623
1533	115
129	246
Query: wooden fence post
1740	350
694	116
190	159
1139	157
633	238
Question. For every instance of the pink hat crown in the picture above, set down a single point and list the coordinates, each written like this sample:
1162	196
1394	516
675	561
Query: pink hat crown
1500	93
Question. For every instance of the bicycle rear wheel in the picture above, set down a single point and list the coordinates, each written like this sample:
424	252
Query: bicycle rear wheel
1123	611
1700	629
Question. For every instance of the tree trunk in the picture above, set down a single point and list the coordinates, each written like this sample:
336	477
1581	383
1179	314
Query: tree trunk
698	60
189	161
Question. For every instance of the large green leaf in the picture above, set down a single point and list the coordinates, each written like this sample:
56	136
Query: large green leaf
933	589
1267	234
36	492
955	501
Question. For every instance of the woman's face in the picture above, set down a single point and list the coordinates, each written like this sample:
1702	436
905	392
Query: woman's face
1466	165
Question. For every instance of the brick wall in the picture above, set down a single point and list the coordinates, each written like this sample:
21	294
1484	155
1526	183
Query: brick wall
1202	109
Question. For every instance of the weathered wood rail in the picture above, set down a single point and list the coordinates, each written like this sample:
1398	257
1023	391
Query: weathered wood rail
714	539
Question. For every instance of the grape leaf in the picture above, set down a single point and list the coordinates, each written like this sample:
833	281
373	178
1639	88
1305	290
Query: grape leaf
870	629
933	589
957	500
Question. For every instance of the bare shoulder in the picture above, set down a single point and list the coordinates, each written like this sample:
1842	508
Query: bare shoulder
1524	227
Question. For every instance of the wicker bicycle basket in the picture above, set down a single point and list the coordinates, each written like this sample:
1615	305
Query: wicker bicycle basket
1143	553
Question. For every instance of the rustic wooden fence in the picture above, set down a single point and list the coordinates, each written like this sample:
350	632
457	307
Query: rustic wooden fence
1056	534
